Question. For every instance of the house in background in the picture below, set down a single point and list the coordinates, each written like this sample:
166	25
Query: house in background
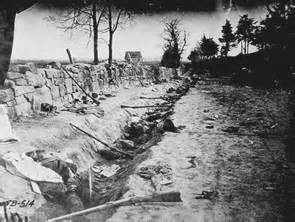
133	57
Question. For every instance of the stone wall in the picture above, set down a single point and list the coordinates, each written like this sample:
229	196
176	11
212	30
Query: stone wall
26	86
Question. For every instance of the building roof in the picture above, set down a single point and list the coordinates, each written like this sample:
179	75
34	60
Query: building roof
133	54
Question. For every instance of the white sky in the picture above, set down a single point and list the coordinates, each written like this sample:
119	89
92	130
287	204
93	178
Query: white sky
35	38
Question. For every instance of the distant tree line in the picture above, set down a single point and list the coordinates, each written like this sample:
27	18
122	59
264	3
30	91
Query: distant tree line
276	31
273	37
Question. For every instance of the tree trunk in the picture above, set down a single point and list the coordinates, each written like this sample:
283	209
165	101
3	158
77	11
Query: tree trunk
110	35
7	19
95	33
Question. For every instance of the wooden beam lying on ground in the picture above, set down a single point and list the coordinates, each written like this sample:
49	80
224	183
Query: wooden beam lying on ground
173	196
140	107
102	142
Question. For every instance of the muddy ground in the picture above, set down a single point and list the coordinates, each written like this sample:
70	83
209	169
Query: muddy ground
233	145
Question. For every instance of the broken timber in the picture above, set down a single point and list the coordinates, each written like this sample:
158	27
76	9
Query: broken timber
173	196
102	142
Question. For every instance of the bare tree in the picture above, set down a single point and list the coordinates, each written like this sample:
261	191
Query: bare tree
116	17
85	16
175	43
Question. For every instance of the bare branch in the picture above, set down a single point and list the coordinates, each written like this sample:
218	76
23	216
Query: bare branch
100	16
117	20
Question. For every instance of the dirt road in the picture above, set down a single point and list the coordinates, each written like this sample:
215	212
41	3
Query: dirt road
232	143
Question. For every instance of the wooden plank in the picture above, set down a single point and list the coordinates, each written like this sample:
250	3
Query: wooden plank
173	196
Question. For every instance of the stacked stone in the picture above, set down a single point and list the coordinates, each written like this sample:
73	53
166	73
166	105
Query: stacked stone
27	87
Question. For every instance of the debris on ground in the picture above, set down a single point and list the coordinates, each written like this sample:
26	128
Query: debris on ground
83	108
109	95
192	161
160	174
45	107
208	195
105	171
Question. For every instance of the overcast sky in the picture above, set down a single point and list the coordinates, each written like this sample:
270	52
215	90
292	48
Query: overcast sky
35	38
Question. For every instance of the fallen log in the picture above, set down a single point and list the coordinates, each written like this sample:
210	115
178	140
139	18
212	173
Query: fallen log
173	196
102	142
139	107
